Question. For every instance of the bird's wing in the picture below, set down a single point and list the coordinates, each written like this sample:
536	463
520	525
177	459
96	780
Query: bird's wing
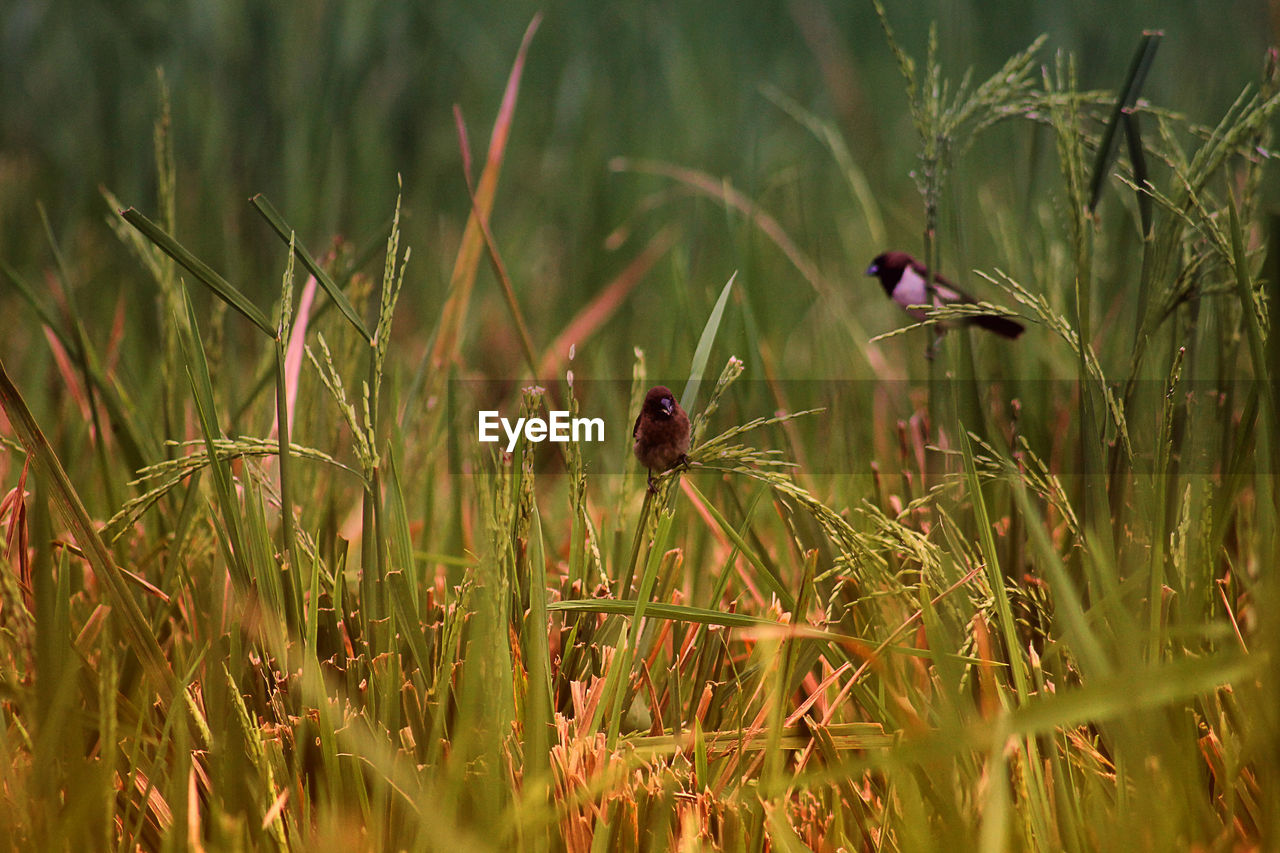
948	292
945	288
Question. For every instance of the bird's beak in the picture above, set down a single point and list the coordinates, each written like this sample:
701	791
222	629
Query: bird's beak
668	406
874	269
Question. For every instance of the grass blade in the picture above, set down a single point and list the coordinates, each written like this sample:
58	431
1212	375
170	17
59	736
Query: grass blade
995	576
703	351
1133	135
263	205
763	573
202	390
1142	59
495	257
449	335
202	271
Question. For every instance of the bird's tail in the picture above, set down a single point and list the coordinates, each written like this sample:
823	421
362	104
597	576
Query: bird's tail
999	324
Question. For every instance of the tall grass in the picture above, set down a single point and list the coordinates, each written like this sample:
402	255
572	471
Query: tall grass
1025	603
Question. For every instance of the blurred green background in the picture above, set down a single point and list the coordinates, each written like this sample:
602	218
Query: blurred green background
320	105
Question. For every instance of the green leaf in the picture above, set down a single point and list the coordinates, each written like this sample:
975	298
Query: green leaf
1133	134
276	221
703	352
995	576
197	366
202	271
1142	59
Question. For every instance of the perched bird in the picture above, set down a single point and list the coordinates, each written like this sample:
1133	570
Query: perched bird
661	432
903	279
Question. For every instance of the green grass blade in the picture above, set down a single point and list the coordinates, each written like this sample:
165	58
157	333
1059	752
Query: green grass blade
263	205
1138	68
703	351
1257	339
197	366
1138	159
495	257
624	661
1067	599
444	349
402	597
1248	301
202	271
539	704
995	576
829	136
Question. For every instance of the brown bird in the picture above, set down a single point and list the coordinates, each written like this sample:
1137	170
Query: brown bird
903	279
661	432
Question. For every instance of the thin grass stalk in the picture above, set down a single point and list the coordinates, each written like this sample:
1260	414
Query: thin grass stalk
163	269
377	597
495	257
1136	77
788	669
539	723
1163	474
372	560
1268	448
775	584
81	353
445	347
625	581
1097	510
623	664
284	454
995	576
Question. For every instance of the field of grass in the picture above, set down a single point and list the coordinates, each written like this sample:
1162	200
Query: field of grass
264	588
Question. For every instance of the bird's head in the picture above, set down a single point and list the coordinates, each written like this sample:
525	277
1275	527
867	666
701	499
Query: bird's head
660	402
889	264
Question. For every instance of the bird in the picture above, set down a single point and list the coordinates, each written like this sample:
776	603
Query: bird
661	433
903	280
